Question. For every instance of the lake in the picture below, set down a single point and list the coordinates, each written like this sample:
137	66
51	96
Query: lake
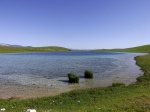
50	69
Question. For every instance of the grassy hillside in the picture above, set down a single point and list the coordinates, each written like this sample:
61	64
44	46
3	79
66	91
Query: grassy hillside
10	49
132	98
7	49
142	49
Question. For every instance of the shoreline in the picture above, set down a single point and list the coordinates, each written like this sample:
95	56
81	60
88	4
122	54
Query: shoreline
34	91
12	91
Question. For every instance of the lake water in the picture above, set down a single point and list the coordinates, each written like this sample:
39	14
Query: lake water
50	69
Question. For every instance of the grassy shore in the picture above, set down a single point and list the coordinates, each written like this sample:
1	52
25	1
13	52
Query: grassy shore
132	98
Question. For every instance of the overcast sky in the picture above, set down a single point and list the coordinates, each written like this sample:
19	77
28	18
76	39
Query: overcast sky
78	24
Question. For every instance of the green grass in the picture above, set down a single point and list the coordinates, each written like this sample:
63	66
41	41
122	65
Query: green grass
141	49
132	98
7	49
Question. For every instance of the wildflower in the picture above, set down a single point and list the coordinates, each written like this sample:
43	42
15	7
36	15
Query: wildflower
31	110
78	101
3	109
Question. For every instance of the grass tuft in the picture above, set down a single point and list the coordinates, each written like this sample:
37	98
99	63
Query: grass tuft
73	78
88	74
118	84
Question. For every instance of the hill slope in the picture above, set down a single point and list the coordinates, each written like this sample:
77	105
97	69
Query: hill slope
142	49
10	49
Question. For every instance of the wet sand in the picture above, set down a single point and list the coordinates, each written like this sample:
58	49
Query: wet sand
24	92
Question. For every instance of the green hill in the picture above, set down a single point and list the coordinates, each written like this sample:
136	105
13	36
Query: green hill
10	49
13	49
142	49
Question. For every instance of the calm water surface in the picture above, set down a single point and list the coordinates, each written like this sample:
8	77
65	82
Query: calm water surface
50	69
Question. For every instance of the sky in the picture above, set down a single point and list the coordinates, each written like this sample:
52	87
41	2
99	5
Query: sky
76	24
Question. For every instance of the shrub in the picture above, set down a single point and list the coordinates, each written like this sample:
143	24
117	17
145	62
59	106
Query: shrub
88	74
118	84
73	78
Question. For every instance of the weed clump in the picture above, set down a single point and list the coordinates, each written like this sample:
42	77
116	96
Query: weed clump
118	84
73	78
144	78
88	74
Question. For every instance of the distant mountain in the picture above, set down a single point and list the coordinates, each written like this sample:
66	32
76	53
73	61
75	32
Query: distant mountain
79	49
3	44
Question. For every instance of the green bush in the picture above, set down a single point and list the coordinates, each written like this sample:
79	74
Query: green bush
88	74
73	78
118	84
